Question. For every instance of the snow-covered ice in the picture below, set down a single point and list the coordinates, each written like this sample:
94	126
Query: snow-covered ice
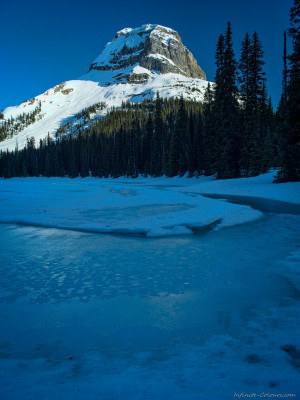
201	313
114	206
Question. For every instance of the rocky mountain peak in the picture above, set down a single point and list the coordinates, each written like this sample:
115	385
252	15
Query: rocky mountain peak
153	48
136	65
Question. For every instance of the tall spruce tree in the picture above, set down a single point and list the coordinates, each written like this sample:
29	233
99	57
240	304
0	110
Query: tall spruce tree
194	146
158	138
177	159
290	111
246	114
285	67
257	104
207	159
147	144
254	107
226	109
281	111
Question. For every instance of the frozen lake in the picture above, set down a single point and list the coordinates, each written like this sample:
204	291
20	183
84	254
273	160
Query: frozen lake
139	307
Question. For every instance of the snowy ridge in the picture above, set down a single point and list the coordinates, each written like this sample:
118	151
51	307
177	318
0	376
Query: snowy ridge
95	87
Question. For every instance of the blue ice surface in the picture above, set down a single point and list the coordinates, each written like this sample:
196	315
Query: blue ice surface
132	308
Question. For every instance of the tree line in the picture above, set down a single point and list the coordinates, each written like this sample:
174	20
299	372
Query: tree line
162	137
233	133
12	126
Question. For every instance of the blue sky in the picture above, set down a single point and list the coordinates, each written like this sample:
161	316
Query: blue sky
45	43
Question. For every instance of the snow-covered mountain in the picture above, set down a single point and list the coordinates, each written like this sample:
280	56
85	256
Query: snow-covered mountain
134	66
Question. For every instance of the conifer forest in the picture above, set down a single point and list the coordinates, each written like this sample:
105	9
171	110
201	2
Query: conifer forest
234	133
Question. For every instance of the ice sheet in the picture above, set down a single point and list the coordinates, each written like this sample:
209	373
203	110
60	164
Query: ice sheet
187	317
101	316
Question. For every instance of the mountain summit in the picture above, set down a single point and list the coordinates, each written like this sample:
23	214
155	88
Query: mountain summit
153	47
136	65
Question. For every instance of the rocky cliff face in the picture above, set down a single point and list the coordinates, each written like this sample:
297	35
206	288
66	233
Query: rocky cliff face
153	47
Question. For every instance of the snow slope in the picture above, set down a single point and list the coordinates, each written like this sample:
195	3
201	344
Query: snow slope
58	108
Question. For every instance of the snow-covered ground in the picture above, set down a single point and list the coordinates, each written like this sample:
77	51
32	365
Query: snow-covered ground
261	186
212	315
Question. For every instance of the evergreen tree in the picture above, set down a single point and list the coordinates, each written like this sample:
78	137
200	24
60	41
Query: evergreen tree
147	143
254	107
82	146
290	111
207	159
257	107
193	149
244	68
270	156
158	138
285	67
244	80
220	60
72	166
178	143
281	111
226	110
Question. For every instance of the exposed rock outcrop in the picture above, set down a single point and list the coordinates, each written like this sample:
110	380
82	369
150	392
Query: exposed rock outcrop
153	47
